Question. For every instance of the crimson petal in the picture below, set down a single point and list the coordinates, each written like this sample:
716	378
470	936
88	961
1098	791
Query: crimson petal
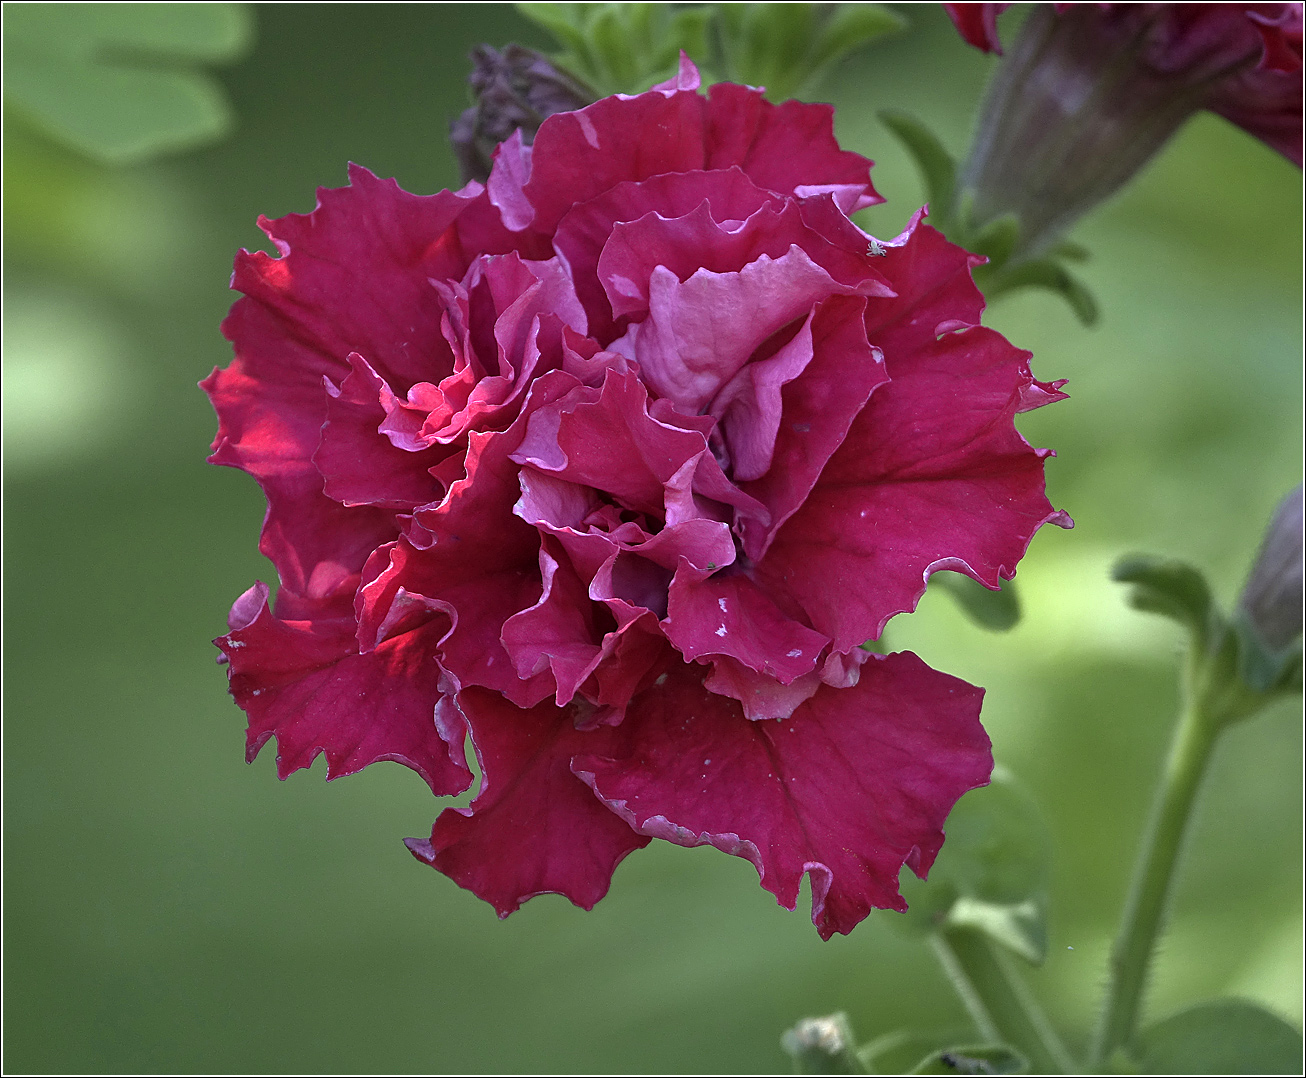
305	682
852	787
534	828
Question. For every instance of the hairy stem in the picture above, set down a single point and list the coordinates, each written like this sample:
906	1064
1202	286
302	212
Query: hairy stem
997	999
1190	752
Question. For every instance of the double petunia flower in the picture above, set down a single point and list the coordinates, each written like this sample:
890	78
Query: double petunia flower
612	465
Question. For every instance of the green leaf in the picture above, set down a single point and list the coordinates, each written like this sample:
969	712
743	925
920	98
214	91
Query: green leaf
1172	588
1070	251
1040	273
1020	927
997	610
1228	1036
119	82
937	166
774	40
896	1053
823	1046
561	20
849	28
609	37
974	1059
992	873
997	239
1261	667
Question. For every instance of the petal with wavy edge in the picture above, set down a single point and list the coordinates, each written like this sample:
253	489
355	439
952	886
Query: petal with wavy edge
304	682
789	148
730	615
701	331
534	828
359	465
933	474
816	408
857	783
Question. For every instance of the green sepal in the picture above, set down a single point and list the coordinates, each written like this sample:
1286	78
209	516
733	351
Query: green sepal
1261	667
974	1059
1172	588
997	610
823	1046
849	28
995	279
563	21
1227	1036
121	82
992	873
997	240
1070	251
898	1052
938	167
1231	671
1020	927
951	211
622	48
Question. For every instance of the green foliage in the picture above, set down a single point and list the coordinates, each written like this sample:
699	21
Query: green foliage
997	610
973	1059
1227	1036
788	48
1171	588
1231	673
897	1053
992	873
622	48
1009	266
119	82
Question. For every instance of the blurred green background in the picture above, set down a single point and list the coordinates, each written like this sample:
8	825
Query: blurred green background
168	908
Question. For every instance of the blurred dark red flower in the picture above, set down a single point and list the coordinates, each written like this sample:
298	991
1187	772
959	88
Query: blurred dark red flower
1242	61
613	464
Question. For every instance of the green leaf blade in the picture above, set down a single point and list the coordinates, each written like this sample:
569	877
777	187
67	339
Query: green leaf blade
1229	1036
118	82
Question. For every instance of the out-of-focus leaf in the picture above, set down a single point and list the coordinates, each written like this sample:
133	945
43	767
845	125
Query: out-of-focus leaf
997	610
823	1046
849	28
938	168
1227	1036
1041	273
997	239
120	82
896	1053
1020	927
1169	587
563	21
992	873
974	1059
623	48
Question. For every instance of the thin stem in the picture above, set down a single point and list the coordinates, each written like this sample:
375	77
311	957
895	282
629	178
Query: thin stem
964	987
998	1001
1149	890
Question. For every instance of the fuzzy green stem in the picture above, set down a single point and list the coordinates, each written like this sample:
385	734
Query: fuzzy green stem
1190	752
998	1001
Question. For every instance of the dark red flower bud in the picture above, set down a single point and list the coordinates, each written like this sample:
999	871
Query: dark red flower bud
1087	93
517	89
1272	599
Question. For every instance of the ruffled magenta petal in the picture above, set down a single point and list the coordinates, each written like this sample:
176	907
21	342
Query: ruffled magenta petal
534	828
933	475
305	683
855	785
731	616
358	464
